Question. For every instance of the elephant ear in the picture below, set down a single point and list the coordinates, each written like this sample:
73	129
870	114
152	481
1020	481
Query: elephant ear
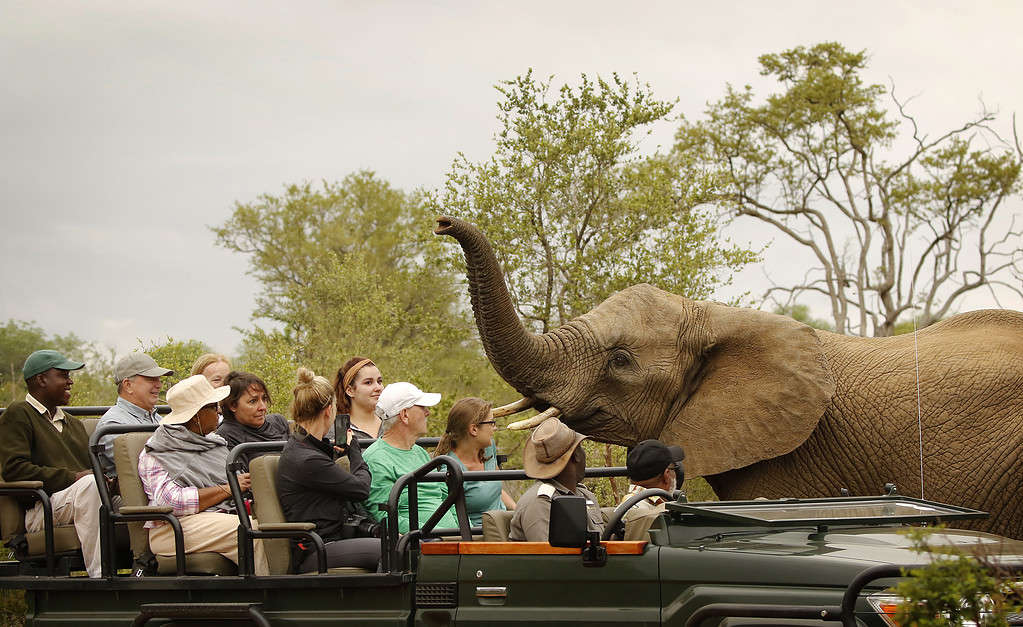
760	386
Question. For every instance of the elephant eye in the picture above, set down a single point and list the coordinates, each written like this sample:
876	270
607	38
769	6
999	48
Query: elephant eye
620	359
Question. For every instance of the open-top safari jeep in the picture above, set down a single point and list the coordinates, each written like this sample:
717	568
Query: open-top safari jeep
790	562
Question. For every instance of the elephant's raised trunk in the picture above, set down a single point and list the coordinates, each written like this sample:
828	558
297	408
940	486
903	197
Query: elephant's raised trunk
519	356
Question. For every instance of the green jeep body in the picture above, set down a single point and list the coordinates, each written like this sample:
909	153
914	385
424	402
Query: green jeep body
790	562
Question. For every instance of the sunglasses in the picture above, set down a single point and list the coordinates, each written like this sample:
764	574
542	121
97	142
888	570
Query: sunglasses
487	422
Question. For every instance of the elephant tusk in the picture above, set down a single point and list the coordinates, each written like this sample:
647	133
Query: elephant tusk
529	423
511	408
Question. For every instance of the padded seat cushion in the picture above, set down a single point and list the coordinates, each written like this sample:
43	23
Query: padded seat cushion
497	525
198	564
64	539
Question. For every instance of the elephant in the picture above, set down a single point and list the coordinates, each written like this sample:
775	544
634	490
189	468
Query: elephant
765	406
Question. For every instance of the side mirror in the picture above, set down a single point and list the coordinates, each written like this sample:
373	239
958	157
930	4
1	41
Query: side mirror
569	528
568	522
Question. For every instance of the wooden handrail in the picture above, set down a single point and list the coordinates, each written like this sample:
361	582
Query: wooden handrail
525	548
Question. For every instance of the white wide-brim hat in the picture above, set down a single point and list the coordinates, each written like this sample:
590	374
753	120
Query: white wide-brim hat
188	396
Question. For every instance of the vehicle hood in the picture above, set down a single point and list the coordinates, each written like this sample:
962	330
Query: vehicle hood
883	545
803	557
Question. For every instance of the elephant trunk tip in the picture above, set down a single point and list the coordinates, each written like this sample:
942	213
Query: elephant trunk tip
444	224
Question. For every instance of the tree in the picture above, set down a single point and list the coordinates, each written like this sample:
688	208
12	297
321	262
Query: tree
575	211
573	208
351	268
18	339
890	229
176	355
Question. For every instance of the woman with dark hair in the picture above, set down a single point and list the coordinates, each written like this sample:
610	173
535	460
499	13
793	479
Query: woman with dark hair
245	413
312	488
469	438
357	386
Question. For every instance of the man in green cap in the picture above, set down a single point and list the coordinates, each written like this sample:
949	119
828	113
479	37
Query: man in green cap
39	442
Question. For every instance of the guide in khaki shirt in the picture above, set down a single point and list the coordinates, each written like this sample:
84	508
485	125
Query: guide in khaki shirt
532	518
553	456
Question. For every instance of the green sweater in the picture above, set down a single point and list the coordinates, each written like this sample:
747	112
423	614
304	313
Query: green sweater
31	449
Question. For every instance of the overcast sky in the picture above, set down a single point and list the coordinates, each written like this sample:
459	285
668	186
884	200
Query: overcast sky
127	128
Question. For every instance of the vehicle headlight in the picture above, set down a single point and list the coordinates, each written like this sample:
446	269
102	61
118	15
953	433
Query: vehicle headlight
886	604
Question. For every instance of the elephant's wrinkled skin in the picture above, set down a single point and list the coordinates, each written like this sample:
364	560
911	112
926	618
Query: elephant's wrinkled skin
766	406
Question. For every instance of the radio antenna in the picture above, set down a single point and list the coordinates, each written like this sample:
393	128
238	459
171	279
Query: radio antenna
919	415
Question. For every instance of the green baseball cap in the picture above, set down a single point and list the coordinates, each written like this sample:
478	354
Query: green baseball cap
41	361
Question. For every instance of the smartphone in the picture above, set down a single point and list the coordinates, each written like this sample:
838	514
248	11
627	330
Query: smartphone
342	422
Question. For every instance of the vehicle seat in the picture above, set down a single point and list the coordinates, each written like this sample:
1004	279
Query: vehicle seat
497	525
31	547
266	508
126	458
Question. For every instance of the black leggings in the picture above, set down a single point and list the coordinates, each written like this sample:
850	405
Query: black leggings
358	552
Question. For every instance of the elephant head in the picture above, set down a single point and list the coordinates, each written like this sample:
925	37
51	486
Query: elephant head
732	386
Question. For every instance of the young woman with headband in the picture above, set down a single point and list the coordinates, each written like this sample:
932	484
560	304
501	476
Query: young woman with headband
358	385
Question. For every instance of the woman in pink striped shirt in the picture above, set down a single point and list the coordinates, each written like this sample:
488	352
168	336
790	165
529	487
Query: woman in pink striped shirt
183	466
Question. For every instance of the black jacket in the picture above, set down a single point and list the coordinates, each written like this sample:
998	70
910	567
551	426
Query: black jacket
312	488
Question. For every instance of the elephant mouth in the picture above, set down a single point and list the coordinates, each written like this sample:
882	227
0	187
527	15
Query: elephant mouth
595	424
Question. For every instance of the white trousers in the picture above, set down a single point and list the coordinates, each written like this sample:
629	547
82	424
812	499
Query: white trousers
212	532
79	504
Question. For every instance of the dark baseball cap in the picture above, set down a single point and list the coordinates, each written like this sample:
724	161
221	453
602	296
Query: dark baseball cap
649	458
41	361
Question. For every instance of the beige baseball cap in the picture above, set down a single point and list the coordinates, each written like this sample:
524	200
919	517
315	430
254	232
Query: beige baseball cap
138	363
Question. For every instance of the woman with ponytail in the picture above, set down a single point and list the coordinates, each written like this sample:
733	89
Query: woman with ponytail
312	488
469	438
358	385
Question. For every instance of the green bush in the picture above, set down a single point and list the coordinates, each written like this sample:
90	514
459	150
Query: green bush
955	587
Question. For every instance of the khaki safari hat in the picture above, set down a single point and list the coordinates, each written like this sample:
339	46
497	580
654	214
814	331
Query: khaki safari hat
138	363
549	448
188	396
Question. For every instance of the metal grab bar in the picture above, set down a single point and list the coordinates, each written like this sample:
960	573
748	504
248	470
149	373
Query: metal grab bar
611	527
44	498
209	611
454	479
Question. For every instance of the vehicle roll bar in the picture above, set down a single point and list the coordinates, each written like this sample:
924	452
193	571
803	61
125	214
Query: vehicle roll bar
614	522
454	478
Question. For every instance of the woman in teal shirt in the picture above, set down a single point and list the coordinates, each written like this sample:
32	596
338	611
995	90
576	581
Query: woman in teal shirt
469	438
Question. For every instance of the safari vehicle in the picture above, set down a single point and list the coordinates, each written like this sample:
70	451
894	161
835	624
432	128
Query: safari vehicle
791	562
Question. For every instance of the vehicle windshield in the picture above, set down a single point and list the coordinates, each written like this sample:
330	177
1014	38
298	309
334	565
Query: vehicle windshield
827	511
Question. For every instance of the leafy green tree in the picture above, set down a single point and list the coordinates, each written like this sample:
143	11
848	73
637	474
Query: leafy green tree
176	355
802	314
576	210
18	339
893	218
352	268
